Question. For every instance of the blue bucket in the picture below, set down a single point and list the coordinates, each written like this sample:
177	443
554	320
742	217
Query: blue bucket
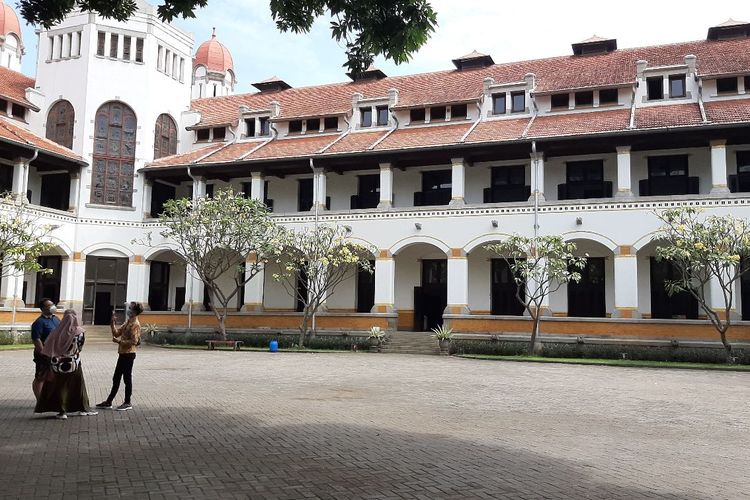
273	346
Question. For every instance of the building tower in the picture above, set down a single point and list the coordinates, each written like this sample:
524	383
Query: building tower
213	70
11	43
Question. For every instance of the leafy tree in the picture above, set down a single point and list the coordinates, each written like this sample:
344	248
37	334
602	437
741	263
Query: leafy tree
323	258
21	238
540	266
215	235
393	28
704	250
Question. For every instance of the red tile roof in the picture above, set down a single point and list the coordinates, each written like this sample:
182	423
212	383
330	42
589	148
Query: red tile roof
675	115
355	141
186	158
593	122
9	22
498	130
418	137
736	110
13	87
10	132
214	56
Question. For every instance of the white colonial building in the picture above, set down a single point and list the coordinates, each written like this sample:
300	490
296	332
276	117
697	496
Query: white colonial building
426	168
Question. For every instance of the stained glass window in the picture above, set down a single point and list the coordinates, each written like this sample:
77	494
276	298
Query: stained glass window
114	155
165	136
60	122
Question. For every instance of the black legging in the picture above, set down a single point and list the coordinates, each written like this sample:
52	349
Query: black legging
123	369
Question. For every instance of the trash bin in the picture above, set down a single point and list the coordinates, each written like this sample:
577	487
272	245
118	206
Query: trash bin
273	346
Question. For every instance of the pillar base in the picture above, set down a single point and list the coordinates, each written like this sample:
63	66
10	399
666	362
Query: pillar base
383	308
626	313
719	190
197	306
541	197
457	202
321	207
11	301
545	311
252	307
385	204
457	309
624	194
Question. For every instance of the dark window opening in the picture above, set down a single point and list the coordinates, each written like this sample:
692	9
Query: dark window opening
677	86
740	183
295	126
507	184
209	191
250	127
365	289
680	305
304	195
101	37
518	102
437	113
416	115
584	98
655	88
265	126
18	111
503	290
55	191
431	298
202	134
584	180
366	117
331	123
726	85
668	175
220	133
368	192
560	100
747	84
126	48
114	43
498	104
608	96
302	291
382	115
313	125
436	188
139	50
158	286
160	194
3	107
458	111
586	298
48	285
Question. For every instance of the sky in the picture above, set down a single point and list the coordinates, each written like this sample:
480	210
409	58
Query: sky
502	29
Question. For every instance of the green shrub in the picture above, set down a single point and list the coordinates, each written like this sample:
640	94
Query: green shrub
250	339
5	337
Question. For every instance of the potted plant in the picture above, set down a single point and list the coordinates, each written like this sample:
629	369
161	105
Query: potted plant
377	337
443	336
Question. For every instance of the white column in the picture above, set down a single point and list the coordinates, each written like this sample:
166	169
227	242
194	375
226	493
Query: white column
75	184
72	281
147	192
716	298
138	277
719	167
386	186
458	282
11	288
254	287
257	184
626	283
458	181
193	291
624	189
199	187
20	178
385	283
319	189
537	175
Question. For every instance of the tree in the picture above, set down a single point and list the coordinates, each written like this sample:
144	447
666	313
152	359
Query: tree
392	28
322	258
215	235
540	266
21	238
705	250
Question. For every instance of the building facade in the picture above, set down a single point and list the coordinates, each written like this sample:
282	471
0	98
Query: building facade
425	168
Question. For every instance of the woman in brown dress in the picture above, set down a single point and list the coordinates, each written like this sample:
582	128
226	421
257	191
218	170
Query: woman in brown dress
64	389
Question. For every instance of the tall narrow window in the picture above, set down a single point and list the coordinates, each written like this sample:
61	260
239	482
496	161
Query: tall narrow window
139	50
165	136
365	117
498	104
250	127
382	115
60	122
114	155
159	56
518	102
51	47
265	126
114	43
167	61
126	48
677	86
77	40
100	40
655	88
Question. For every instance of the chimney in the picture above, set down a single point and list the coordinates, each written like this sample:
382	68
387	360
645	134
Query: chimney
392	97
640	67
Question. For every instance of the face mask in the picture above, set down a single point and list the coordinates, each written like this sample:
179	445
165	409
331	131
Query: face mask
52	309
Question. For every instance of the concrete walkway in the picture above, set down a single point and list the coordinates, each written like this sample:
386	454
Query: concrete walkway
357	425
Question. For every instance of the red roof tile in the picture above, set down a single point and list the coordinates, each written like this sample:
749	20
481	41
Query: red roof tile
185	158
418	137
498	130
9	22
214	56
736	110
11	132
13	86
674	115
355	141
580	123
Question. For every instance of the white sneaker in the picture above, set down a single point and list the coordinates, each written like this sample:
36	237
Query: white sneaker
87	413
61	416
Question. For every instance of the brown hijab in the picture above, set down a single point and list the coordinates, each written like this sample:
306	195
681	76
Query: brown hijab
60	340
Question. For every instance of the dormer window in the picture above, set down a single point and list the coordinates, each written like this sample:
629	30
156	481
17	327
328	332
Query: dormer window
416	115
313	125
560	100
584	99
202	134
365	117
18	111
498	104
727	85
437	113
331	123
382	115
250	127
295	126
3	107
608	96
220	133
655	88
265	126
518	102
677	86
458	111
747	84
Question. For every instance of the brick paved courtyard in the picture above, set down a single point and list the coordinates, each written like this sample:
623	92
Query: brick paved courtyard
260	425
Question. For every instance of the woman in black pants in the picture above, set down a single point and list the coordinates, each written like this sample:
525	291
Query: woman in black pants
127	337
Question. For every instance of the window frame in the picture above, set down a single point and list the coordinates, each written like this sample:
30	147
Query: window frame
264	126
113	170
418	112
327	120
199	132
463	112
165	144
295	127
365	117
728	80
114	45
616	95
651	82
312	121
221	135
60	123
584	99
441	110
677	78
513	96
381	116
559	97
101	42
500	96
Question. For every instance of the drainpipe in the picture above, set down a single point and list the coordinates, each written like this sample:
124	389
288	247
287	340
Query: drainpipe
536	192
190	290
315	224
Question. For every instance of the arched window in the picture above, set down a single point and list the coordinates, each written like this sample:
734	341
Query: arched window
60	124
165	136
114	155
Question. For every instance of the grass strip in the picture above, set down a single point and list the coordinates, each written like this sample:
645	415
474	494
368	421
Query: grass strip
16	347
635	363
229	349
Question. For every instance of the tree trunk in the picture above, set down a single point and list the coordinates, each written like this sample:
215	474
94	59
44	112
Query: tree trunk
223	325
535	346
727	345
303	329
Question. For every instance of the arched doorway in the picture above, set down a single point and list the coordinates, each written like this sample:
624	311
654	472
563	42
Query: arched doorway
421	286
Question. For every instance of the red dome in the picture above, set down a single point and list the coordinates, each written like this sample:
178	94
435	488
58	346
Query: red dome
213	55
9	22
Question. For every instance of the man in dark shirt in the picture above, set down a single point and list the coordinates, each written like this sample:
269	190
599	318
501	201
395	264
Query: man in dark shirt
40	330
